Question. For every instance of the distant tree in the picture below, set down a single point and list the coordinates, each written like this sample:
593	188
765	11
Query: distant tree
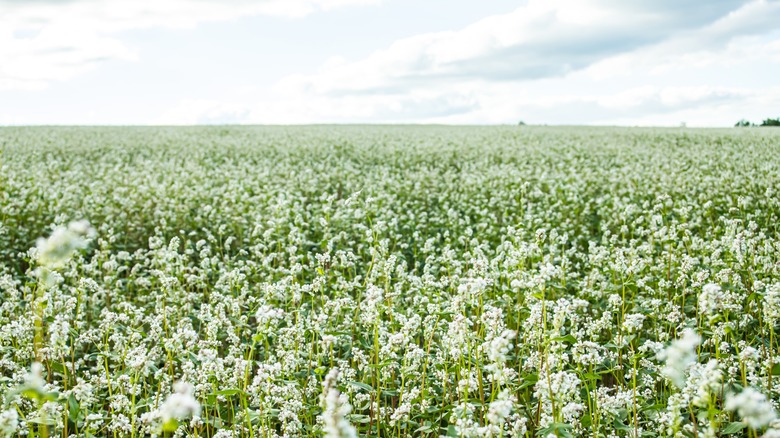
521	123
743	124
771	122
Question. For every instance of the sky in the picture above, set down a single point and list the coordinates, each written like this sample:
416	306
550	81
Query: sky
570	62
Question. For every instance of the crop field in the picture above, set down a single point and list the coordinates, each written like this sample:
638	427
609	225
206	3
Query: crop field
389	281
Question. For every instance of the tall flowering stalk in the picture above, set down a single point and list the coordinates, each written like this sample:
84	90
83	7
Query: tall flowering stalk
680	355
52	254
335	408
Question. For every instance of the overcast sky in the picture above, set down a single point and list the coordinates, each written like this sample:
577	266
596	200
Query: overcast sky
611	62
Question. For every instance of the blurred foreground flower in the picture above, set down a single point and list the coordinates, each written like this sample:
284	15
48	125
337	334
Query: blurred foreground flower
9	421
34	386
771	433
752	406
57	249
679	356
335	409
179	405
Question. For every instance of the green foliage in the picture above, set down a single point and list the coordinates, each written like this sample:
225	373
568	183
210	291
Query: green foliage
767	122
771	122
465	281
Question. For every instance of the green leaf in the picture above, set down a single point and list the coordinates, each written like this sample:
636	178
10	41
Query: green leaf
73	408
733	428
562	430
568	338
619	425
230	391
361	385
359	418
586	421
46	421
426	427
451	432
57	367
390	393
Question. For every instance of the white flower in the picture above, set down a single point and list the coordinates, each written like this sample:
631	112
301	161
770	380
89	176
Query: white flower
772	303
499	409
335	409
704	380
56	250
588	353
9	421
556	389
181	404
752	406
771	433
266	314
34	379
500	346
633	322
497	349
711	299
679	356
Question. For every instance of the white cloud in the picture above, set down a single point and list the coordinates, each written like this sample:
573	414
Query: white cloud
732	39
43	41
544	38
558	61
546	61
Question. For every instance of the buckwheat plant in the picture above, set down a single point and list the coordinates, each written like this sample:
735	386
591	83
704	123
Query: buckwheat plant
752	406
335	409
464	281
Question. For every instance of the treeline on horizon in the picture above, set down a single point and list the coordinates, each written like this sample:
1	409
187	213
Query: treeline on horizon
768	122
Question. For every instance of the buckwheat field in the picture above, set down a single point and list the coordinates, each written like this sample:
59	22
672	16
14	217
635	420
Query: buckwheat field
389	281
